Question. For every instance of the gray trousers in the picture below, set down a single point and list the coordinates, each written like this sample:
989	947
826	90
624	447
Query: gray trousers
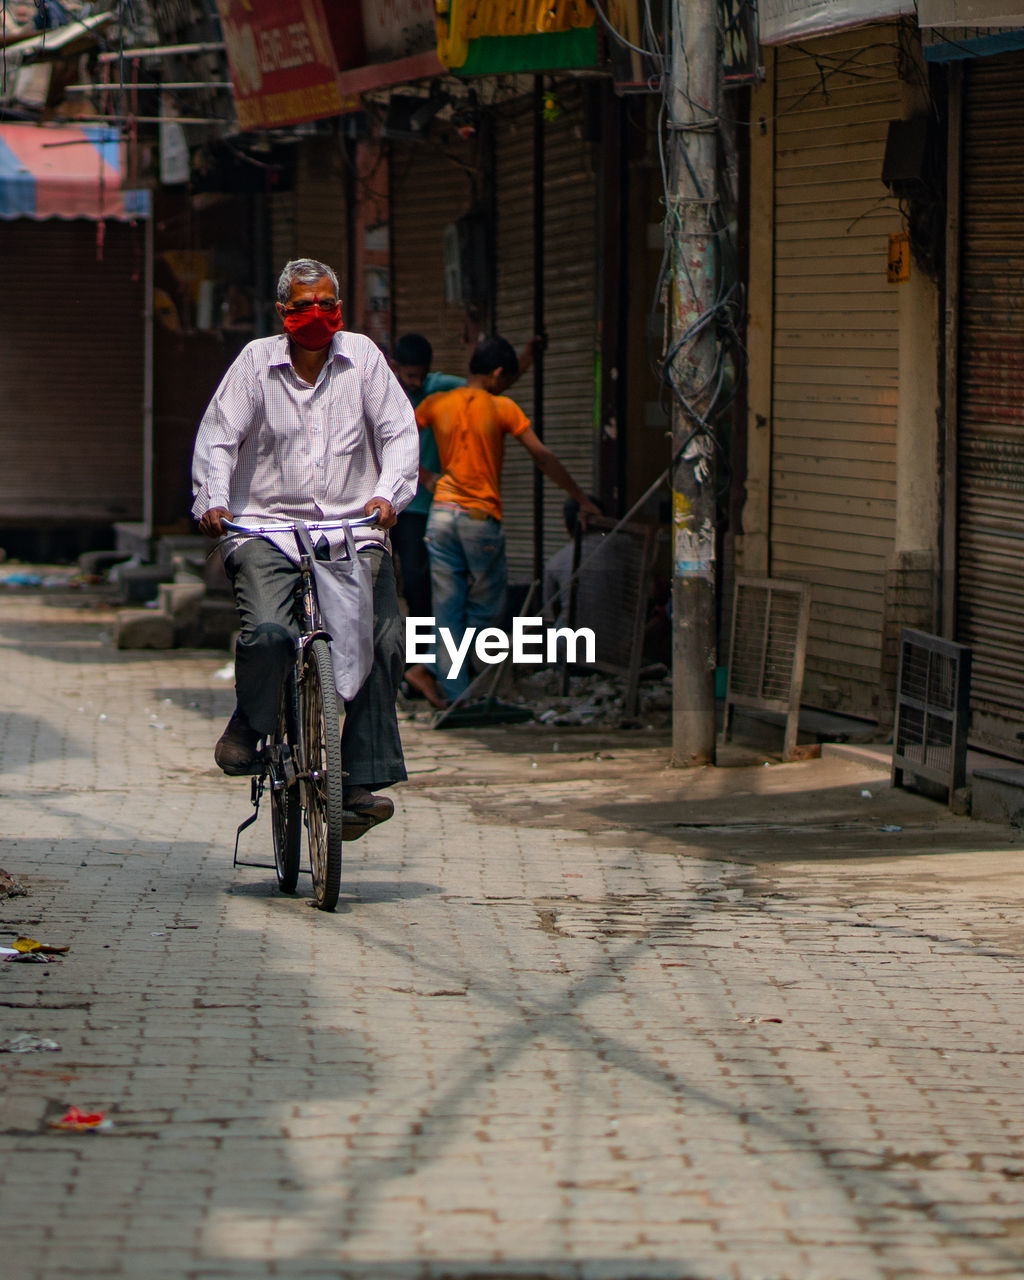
267	592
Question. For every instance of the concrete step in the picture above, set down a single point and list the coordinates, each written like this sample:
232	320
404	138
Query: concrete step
764	729
997	794
217	623
141	582
168	546
143	629
180	598
187	569
95	563
185	618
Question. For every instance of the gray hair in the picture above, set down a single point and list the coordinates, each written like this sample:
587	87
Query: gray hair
303	271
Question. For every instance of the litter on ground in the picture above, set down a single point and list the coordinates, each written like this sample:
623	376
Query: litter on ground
25	1042
76	1121
10	886
47	948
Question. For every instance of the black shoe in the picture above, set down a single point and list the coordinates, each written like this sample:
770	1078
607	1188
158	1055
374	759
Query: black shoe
363	810
237	749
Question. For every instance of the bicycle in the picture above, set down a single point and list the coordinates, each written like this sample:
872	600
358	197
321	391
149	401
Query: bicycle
301	756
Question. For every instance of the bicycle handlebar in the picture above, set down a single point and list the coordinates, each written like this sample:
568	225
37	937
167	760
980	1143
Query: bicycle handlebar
290	526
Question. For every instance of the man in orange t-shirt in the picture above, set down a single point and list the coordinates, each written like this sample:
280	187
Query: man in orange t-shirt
465	540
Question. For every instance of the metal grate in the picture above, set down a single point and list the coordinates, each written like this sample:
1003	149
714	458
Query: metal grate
932	709
766	651
612	565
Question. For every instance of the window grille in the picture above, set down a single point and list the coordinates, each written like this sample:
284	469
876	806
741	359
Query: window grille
766	652
933	688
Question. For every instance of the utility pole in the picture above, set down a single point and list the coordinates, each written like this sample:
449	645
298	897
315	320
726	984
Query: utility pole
693	95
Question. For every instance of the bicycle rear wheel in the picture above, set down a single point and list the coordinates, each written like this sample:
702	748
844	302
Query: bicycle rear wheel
322	781
285	802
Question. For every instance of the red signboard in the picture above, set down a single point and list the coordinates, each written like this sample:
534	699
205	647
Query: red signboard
282	59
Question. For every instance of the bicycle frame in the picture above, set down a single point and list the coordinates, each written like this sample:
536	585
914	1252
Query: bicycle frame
279	764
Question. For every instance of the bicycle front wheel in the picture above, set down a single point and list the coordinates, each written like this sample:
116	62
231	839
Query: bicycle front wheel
322	780
285	805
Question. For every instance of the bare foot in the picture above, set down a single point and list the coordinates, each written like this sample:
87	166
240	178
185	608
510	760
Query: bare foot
423	680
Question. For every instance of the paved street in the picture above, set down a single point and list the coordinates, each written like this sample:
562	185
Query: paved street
576	1016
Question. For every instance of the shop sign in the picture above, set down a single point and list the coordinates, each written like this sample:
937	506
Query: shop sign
462	23
283	66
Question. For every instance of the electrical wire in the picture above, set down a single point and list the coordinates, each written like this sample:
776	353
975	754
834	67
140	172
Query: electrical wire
710	348
617	35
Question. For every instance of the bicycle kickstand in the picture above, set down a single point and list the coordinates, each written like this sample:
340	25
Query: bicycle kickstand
256	795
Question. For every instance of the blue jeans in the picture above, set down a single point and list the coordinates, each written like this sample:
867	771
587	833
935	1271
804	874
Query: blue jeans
468	578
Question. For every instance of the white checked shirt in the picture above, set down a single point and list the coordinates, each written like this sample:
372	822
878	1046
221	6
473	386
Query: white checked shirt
270	446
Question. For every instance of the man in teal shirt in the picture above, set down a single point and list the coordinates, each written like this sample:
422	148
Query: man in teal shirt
411	362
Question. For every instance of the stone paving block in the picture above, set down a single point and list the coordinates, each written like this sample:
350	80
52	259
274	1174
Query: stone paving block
319	1106
707	1267
922	1262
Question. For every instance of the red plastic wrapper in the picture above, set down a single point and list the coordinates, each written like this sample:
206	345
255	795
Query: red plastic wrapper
77	1121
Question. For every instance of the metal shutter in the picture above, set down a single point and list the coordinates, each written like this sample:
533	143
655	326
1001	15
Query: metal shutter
990	569
431	186
283	236
73	408
834	401
570	256
311	220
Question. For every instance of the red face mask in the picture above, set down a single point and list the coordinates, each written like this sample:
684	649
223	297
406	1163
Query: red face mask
313	329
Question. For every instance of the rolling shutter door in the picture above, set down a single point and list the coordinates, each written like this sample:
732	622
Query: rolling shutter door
514	319
836	342
570	249
990	570
431	187
311	220
283	236
72	426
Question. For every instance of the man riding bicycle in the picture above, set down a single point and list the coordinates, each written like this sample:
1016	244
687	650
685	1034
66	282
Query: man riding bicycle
309	425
